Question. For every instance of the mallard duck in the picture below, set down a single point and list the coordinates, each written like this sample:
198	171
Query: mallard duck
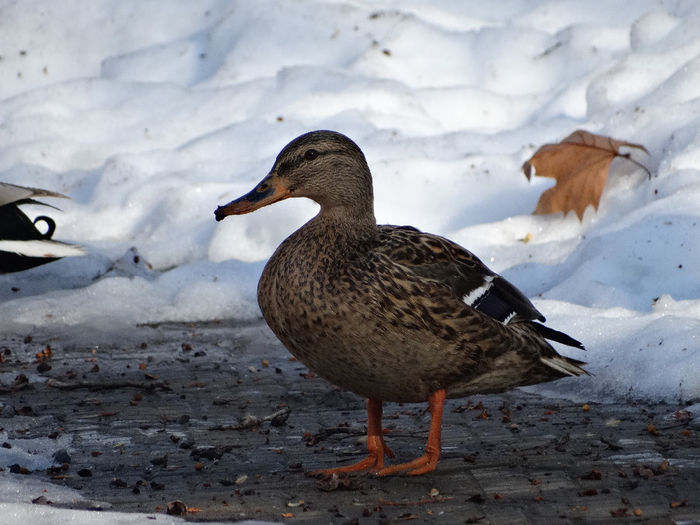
389	312
22	245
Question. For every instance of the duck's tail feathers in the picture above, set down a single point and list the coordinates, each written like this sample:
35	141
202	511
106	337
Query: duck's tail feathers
556	335
565	365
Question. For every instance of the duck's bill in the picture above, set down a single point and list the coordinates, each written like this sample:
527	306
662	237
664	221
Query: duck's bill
267	192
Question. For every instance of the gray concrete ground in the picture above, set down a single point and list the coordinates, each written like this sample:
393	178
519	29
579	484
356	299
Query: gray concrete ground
219	417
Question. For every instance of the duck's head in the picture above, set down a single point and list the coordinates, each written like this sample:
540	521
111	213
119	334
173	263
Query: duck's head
324	166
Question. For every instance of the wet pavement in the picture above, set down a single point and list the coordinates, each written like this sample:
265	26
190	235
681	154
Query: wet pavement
217	416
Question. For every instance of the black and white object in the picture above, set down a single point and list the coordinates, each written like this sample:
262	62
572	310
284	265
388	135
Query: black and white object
22	244
499	299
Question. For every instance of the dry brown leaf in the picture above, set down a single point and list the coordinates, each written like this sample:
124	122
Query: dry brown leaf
579	164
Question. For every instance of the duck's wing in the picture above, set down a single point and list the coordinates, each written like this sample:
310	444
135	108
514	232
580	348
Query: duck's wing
437	259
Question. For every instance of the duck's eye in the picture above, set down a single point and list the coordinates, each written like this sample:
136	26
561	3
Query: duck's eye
310	154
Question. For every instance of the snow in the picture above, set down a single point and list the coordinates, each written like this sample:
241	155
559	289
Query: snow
149	114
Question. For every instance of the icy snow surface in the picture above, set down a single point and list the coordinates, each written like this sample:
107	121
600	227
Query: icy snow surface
150	114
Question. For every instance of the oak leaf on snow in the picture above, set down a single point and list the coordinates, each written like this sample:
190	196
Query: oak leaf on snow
580	165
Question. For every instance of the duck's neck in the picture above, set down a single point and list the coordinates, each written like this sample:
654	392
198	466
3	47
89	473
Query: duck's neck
344	223
349	199
350	214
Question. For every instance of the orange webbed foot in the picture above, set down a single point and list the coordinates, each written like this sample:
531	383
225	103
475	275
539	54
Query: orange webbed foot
375	445
418	466
373	462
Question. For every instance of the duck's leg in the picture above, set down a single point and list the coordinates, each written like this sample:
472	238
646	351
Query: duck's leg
375	444
428	461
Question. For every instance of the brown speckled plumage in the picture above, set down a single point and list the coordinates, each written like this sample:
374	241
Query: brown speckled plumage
383	310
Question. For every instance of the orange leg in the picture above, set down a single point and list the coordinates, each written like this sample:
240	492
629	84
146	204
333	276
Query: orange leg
428	461
375	444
